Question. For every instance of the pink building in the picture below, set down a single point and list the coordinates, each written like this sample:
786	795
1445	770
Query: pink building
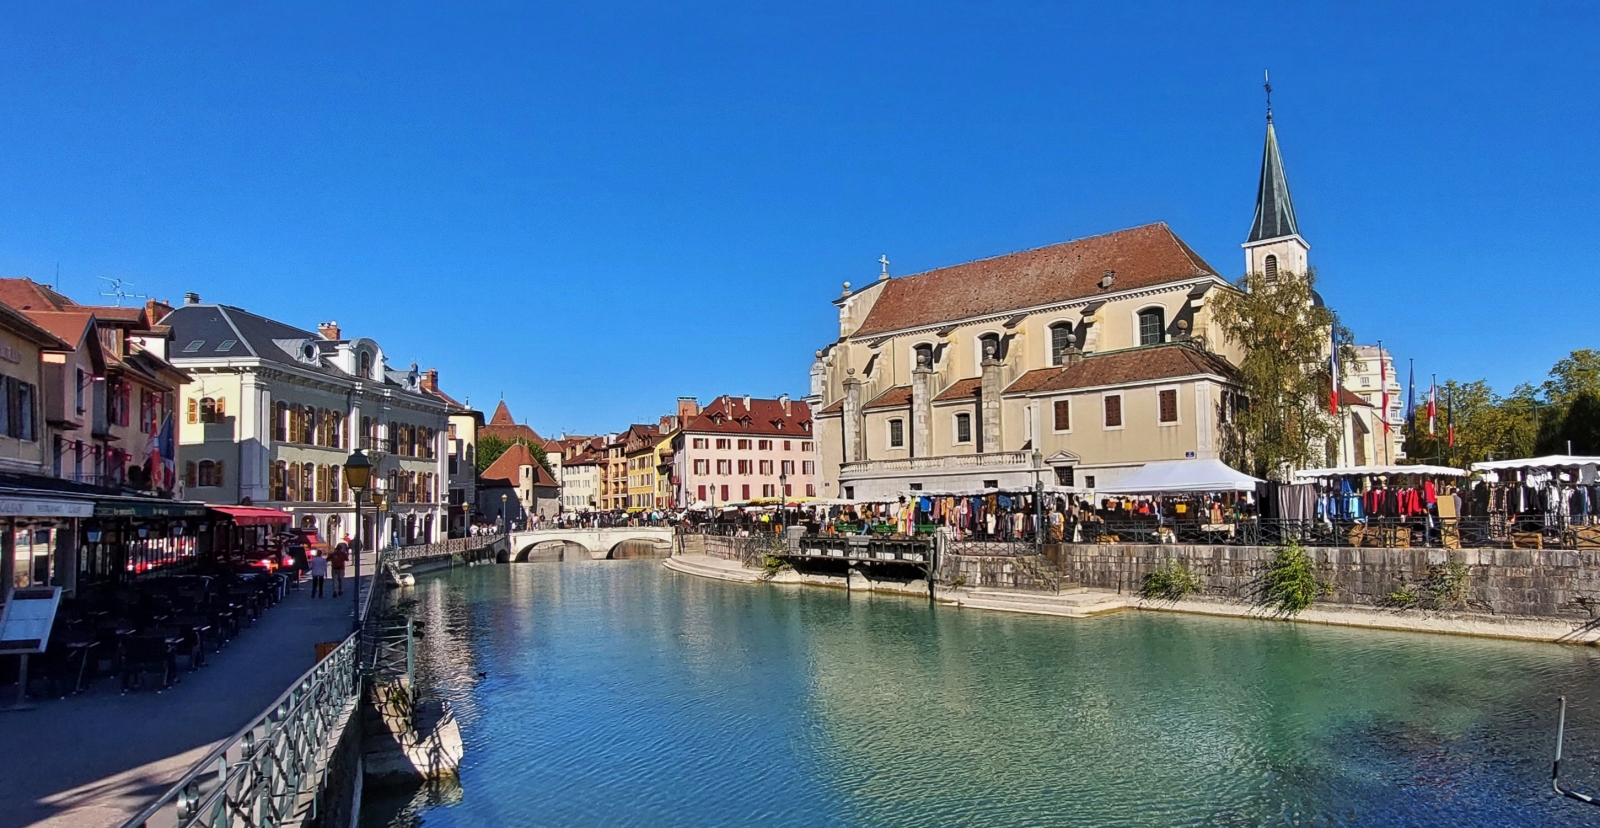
737	449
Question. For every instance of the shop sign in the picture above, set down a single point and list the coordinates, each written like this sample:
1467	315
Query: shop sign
25	507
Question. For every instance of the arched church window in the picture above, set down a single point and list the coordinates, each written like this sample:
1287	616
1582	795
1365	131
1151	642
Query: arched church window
1269	268
1152	326
1061	340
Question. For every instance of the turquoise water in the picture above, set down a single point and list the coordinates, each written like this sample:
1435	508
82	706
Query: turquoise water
617	693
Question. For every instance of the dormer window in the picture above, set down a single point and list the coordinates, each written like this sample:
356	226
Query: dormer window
1152	326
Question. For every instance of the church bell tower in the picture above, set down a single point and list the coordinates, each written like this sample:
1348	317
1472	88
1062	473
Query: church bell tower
1275	244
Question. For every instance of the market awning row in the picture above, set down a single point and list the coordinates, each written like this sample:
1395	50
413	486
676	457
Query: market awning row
1380	471
1552	461
1176	476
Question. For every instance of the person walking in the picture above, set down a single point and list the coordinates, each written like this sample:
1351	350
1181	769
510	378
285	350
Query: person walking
319	574
336	562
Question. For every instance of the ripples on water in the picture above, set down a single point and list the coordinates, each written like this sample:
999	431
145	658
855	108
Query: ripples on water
617	693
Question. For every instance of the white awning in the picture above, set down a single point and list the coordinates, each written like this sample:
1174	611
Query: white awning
1551	461
1357	471
1182	476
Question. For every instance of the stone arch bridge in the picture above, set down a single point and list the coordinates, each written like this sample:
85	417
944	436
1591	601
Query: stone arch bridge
599	544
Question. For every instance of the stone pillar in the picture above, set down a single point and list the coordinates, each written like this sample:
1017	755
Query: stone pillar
253	435
922	408
989	402
852	419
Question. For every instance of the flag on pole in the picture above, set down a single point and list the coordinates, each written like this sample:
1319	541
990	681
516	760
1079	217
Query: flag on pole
1433	405
1450	415
167	454
1383	382
1333	371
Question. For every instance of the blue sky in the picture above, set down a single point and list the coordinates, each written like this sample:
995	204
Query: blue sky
592	208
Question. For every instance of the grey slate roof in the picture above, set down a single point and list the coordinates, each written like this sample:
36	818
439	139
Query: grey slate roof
1274	210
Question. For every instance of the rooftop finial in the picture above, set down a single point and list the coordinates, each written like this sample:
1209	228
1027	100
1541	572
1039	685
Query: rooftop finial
884	260
1266	77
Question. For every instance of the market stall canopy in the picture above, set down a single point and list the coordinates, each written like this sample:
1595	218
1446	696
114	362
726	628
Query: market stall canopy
1552	461
253	515
1378	471
1183	476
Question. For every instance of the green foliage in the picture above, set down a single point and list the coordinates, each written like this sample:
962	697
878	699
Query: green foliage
491	447
772	565
1532	420
1169	582
1284	374
1290	583
1405	597
958	581
1448	584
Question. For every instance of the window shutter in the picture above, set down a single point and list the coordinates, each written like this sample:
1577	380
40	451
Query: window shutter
1169	406
1063	412
194	410
220	410
1113	411
188	472
217	477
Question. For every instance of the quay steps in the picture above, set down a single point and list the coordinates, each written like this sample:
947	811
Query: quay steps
1071	602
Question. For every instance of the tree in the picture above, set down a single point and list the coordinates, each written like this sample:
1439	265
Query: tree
1284	423
1486	424
491	447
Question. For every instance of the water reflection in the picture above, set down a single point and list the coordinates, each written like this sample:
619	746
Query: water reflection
617	693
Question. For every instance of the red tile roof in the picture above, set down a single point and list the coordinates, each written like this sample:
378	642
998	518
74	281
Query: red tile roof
68	325
965	389
1141	257
895	397
729	415
504	427
832	408
1348	397
1123	367
507	468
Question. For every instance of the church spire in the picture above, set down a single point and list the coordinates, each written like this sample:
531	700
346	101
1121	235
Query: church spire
1274	210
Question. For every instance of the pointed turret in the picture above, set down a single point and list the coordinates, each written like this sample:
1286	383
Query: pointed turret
1274	210
1274	243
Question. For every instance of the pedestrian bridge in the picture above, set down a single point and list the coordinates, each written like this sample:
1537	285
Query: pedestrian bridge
599	544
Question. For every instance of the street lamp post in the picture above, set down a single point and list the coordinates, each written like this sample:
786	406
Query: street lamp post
505	525
783	501
1038	500
358	476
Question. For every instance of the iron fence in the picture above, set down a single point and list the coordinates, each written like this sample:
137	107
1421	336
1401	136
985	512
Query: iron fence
261	776
437	549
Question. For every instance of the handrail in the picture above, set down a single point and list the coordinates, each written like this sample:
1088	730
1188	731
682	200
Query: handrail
256	775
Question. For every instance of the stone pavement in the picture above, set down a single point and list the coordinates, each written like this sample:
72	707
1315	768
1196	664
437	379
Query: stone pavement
95	759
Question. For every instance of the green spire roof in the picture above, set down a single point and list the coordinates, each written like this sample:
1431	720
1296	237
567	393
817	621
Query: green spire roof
1274	210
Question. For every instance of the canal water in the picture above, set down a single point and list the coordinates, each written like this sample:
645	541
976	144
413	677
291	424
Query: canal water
616	693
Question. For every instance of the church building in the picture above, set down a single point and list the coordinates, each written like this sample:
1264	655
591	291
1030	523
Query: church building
1078	362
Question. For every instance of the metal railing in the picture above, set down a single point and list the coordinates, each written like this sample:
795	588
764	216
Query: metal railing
437	549
258	777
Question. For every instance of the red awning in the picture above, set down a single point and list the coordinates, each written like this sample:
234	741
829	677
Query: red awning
253	515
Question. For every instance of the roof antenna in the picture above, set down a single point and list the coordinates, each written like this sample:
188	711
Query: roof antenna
118	289
1266	77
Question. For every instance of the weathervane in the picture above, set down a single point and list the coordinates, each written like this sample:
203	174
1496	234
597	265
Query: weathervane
118	290
1266	77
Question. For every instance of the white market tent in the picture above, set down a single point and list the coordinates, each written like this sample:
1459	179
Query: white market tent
1552	461
1356	471
1172	476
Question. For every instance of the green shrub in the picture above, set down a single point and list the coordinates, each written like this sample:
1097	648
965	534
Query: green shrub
1448	584
1169	582
1405	597
1290	583
772	565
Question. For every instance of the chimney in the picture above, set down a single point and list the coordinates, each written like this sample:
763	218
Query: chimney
1106	280
155	310
329	330
191	298
783	400
747	402
430	378
688	408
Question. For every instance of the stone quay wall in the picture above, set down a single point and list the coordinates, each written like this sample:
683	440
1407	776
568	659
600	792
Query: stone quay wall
1548	583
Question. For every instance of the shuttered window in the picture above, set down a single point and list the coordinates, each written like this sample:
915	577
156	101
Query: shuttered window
1169	405
1114	411
1063	415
